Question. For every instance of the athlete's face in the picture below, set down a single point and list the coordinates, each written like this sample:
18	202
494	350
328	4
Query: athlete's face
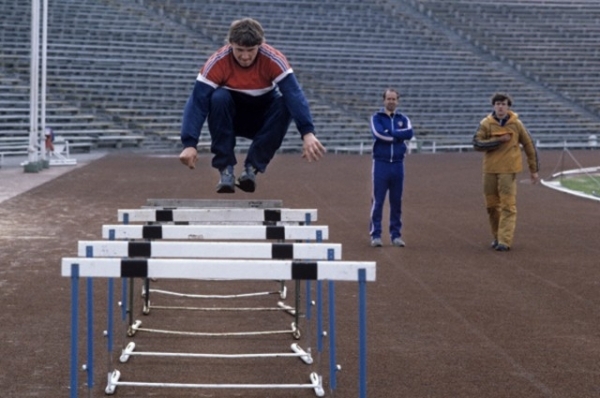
244	56
501	108
390	102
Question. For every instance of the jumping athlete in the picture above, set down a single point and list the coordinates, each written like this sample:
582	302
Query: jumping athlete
390	130
246	89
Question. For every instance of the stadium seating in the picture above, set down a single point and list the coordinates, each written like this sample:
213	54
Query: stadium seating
120	71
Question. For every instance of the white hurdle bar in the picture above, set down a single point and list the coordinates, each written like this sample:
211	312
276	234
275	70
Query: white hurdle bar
210	232
214	203
220	215
216	269
195	249
76	268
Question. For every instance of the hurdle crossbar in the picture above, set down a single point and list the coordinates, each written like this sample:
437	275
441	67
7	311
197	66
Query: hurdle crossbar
215	203
217	215
216	269
210	232
247	250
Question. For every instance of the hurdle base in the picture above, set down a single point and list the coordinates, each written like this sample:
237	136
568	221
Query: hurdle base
113	381
316	383
290	310
134	328
305	356
126	352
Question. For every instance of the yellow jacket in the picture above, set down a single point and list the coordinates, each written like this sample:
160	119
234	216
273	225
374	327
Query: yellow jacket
505	157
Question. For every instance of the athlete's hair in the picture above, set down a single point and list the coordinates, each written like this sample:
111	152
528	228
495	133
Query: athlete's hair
501	97
393	90
246	32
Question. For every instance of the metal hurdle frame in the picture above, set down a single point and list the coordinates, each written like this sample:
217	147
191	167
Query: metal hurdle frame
220	213
214	250
76	268
216	232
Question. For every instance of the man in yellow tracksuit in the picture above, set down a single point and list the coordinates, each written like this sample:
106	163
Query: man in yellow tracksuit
500	136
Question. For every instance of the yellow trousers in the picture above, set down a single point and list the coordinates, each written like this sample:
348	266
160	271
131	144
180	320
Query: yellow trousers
500	192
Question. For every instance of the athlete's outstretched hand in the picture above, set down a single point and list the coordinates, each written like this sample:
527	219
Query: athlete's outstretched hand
189	157
312	149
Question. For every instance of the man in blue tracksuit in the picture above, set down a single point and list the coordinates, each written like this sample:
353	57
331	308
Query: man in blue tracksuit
390	130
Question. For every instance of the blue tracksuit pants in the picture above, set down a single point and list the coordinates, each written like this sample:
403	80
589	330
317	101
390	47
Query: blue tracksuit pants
264	120
388	178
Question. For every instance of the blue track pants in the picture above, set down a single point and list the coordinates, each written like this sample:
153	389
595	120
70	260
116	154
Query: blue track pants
264	120
387	177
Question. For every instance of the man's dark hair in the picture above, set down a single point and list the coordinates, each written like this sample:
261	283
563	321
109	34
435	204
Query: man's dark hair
246	32
393	90
501	97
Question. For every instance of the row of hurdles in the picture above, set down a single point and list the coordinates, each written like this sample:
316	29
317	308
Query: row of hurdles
218	242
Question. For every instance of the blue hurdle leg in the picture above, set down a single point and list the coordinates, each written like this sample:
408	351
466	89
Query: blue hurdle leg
124	298
90	336
109	326
319	317
362	339
332	357
74	327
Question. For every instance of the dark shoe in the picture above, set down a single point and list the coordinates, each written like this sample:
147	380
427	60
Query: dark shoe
494	243
376	242
501	248
227	182
247	181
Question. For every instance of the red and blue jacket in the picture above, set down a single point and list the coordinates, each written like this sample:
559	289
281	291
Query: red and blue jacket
269	75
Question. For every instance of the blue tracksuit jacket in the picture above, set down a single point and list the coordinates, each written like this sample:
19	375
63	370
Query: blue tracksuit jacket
389	149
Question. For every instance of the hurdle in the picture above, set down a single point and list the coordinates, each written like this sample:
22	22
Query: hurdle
219	232
211	203
215	232
221	213
218	215
76	268
159	242
215	250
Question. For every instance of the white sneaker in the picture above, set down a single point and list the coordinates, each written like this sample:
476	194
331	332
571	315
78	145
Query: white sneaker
376	242
398	242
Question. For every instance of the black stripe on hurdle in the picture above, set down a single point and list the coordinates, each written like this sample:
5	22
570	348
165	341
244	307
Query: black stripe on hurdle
139	249
272	215
134	268
275	232
164	215
152	232
282	251
304	270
